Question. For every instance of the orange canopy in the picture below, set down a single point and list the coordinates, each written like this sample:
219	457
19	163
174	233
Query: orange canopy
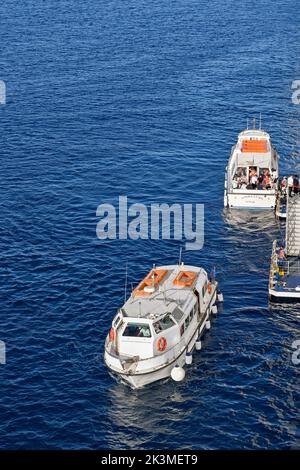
254	146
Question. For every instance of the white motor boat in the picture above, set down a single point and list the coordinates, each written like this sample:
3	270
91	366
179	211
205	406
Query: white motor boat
155	332
252	172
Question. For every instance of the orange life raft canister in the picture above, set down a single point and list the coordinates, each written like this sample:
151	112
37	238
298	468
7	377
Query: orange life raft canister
111	334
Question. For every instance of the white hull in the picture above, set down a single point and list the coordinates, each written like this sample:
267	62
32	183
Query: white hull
278	296
139	381
250	200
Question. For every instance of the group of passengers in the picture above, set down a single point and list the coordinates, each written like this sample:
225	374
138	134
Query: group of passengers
263	180
290	183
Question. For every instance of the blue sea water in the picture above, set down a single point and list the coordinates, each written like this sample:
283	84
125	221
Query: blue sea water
144	99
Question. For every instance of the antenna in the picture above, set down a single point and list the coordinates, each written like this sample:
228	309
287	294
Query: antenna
126	277
180	255
164	294
153	275
260	121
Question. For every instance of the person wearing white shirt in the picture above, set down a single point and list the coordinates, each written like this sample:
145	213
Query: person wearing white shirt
274	175
290	183
253	181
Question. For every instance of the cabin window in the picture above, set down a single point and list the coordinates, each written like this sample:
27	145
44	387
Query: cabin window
177	314
182	329
187	322
137	330
163	324
191	314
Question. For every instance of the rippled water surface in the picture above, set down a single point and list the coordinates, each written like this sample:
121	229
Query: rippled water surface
144	99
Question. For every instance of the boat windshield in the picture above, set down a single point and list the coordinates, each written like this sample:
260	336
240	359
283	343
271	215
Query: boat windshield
163	324
137	330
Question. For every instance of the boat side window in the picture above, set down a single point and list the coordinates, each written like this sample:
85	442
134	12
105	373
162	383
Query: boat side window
182	329
116	321
191	314
177	314
163	324
187	322
137	330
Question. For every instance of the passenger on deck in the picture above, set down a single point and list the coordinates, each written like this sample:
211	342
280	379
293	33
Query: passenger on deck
290	184
281	254
267	180
234	183
274	175
283	184
253	181
260	183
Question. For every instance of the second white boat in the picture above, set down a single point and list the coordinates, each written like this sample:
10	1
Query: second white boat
252	172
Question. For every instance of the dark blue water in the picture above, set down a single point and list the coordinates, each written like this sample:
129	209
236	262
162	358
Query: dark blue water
144	99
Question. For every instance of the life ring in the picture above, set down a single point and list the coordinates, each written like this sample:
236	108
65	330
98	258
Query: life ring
209	288
111	335
161	344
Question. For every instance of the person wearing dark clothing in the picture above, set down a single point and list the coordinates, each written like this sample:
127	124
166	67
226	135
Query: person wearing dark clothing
296	184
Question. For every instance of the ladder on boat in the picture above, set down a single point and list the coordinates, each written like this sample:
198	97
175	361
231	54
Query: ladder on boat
292	235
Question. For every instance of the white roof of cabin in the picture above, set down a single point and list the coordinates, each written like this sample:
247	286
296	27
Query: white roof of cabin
167	296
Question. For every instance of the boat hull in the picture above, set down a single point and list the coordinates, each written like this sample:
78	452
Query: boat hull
250	200
284	296
141	380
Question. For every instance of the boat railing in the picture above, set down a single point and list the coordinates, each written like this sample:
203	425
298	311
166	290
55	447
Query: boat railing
274	265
